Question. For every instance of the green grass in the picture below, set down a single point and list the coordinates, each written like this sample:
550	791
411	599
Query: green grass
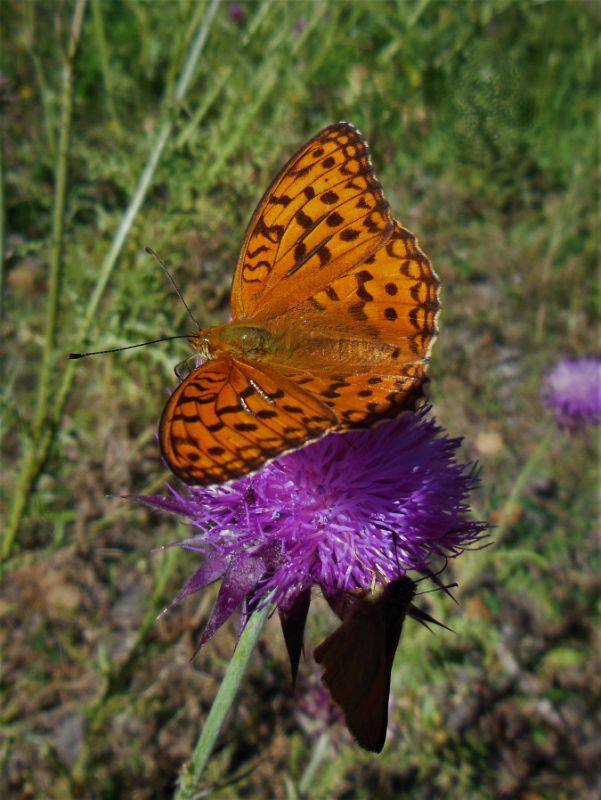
482	119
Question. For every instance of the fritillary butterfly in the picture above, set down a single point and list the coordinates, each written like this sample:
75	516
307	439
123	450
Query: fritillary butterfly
334	312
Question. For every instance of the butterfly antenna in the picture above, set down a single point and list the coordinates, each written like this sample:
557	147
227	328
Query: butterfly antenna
393	535
423	618
444	588
128	347
441	587
432	575
161	263
396	553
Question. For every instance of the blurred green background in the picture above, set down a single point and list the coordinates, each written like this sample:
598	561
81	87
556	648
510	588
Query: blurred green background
482	119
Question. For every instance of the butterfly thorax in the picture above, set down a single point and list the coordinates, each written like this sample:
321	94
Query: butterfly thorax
236	340
400	592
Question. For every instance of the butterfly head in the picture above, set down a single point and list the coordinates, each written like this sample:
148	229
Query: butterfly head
201	343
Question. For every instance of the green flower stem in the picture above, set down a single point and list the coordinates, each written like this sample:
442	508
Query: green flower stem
320	752
37	453
519	486
58	221
191	772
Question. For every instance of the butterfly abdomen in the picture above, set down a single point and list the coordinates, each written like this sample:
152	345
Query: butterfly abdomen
293	346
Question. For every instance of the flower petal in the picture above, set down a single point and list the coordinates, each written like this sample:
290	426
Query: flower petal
239	580
293	618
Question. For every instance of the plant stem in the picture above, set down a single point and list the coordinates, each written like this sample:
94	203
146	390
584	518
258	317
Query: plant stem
192	771
518	487
32	460
109	263
98	18
320	751
58	221
42	85
2	230
220	81
37	453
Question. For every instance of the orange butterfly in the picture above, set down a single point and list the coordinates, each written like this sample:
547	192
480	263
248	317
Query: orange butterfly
358	658
334	310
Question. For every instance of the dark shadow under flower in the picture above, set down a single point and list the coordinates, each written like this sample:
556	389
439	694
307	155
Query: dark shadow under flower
573	390
335	514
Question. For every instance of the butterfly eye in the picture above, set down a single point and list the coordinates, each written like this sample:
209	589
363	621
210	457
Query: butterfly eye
204	350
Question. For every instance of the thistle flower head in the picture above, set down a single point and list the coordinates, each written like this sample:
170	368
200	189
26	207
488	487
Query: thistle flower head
573	390
236	12
337	513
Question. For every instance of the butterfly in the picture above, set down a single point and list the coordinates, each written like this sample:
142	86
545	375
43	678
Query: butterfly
334	312
358	657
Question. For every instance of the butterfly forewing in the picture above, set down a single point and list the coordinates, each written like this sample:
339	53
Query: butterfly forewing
322	215
358	658
354	660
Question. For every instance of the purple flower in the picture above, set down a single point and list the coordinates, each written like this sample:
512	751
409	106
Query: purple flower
573	390
236	12
300	25
336	514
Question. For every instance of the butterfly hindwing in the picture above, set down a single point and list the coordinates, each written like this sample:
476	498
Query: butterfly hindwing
228	418
360	400
381	318
391	296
